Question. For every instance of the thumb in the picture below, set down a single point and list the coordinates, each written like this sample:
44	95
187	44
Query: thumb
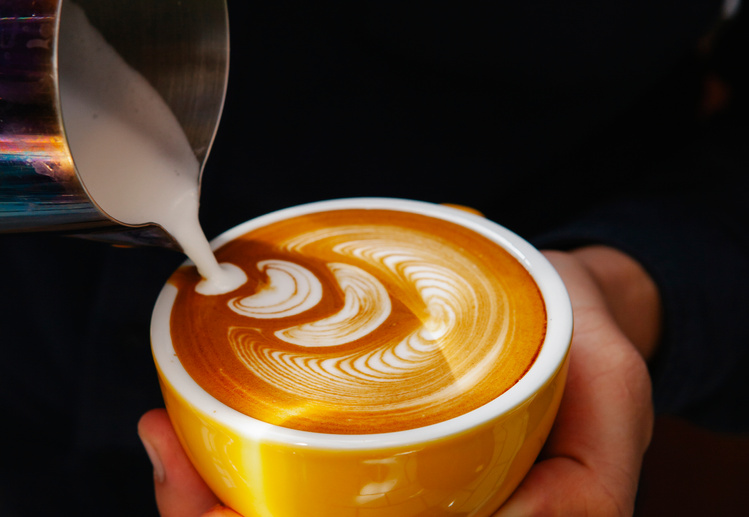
180	492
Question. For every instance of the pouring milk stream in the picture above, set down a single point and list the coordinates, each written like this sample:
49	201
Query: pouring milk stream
131	152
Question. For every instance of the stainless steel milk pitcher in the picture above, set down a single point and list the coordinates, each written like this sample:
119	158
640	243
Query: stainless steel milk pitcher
180	46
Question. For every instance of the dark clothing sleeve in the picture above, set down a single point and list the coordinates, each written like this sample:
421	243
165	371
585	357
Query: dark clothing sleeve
694	242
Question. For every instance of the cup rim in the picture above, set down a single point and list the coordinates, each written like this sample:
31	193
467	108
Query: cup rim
550	359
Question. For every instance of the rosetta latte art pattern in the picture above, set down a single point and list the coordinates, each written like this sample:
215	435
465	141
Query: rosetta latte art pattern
372	325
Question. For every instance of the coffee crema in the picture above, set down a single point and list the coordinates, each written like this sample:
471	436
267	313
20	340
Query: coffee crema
360	321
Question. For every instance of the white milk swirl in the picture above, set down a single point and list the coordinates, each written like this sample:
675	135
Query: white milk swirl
447	303
376	325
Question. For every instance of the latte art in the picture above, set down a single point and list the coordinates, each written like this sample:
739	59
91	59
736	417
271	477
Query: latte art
291	290
360	321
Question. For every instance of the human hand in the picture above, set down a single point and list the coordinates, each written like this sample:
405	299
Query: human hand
591	462
180	492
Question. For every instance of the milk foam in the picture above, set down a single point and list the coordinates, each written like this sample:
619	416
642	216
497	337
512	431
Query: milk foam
129	149
230	279
445	297
291	290
366	307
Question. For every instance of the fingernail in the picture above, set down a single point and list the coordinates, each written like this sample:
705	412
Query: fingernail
158	466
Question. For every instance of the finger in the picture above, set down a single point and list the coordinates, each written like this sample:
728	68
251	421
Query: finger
221	511
180	492
607	398
592	459
590	466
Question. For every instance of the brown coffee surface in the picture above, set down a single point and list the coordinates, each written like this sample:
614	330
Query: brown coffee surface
359	322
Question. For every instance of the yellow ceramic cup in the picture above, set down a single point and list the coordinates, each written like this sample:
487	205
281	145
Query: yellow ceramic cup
465	466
